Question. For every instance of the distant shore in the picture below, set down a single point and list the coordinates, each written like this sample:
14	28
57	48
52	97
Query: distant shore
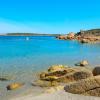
28	34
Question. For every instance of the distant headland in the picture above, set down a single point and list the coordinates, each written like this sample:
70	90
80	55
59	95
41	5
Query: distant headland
29	34
84	36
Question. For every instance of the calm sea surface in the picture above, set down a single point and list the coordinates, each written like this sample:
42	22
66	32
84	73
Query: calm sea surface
21	57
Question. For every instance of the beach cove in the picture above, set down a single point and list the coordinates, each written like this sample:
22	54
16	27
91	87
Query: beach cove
22	59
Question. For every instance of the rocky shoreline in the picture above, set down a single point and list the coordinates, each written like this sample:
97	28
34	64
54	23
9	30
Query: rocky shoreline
81	79
90	36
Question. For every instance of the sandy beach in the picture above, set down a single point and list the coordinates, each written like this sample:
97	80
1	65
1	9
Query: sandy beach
60	95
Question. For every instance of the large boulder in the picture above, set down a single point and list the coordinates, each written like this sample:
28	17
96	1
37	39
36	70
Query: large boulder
14	86
89	86
75	76
96	71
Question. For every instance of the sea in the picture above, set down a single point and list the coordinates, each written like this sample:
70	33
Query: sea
23	57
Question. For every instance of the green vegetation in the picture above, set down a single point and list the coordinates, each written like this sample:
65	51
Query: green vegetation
95	32
30	34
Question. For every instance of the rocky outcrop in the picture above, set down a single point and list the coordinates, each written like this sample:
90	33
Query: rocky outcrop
96	71
80	80
69	36
89	86
65	74
14	86
87	36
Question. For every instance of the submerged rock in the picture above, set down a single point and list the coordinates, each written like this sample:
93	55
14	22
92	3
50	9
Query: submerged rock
96	71
14	86
89	86
42	83
4	79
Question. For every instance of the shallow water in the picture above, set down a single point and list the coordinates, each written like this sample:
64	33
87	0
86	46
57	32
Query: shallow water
20	58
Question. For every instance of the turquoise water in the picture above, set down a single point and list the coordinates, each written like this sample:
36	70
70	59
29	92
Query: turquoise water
21	58
17	54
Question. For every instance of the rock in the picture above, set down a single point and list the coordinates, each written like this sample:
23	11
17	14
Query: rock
84	41
4	79
89	86
50	90
60	72
51	78
82	63
75	76
66	74
56	74
71	36
14	86
42	83
54	89
62	37
82	75
43	75
56	68
96	71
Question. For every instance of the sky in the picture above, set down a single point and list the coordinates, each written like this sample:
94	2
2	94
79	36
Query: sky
49	16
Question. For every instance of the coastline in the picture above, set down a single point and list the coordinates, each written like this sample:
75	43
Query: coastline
28	82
